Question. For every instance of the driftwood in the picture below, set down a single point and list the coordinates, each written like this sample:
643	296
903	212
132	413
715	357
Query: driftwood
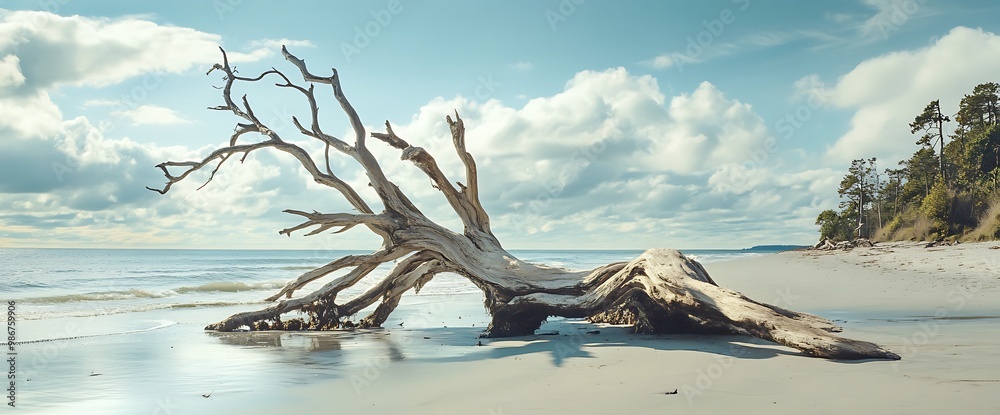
829	245
941	243
661	291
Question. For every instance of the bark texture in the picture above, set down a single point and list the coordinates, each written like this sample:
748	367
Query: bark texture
661	291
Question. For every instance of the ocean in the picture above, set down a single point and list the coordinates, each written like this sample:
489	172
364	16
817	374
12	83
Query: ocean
122	331
56	283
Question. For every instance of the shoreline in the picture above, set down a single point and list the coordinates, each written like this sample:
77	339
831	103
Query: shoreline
891	295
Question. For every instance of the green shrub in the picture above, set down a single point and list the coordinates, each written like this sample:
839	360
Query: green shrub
936	207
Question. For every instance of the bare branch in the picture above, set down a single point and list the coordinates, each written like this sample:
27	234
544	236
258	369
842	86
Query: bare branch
379	224
338	94
390	137
387	191
473	217
378	257
274	140
471	192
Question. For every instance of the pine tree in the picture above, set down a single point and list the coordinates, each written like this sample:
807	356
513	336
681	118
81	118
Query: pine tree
858	187
931	121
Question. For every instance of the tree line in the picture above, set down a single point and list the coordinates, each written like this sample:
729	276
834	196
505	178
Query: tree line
948	189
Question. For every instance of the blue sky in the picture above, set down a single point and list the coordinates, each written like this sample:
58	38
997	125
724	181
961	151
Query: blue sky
596	124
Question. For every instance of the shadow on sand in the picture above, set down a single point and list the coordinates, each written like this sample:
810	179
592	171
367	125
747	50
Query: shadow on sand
561	340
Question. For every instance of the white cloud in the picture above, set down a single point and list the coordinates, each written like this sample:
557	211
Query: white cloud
888	91
265	48
78	50
30	115
675	59
696	52
277	43
10	72
101	103
70	184
811	87
152	115
663	62
42	51
609	154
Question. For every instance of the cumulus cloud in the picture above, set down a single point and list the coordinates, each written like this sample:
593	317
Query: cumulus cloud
65	182
10	72
152	115
42	51
610	155
888	91
79	50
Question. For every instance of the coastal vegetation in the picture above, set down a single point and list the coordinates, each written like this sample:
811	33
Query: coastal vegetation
946	191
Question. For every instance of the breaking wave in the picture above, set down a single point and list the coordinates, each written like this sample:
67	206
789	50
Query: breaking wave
220	286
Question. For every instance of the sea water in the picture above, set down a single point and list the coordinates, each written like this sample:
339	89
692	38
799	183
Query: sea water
56	283
121	331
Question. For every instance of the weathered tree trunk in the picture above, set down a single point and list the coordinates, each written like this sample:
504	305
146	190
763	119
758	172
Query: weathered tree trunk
662	291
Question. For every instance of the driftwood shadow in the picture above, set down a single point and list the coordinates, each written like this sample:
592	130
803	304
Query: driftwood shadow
574	340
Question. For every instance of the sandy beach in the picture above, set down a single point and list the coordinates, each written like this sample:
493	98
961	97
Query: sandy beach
939	308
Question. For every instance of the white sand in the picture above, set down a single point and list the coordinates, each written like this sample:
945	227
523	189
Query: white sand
938	308
889	295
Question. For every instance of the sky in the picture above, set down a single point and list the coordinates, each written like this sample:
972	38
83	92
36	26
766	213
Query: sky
595	124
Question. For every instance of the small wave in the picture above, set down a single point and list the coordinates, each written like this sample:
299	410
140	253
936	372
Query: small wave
130	309
299	268
97	296
220	286
212	304
231	287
